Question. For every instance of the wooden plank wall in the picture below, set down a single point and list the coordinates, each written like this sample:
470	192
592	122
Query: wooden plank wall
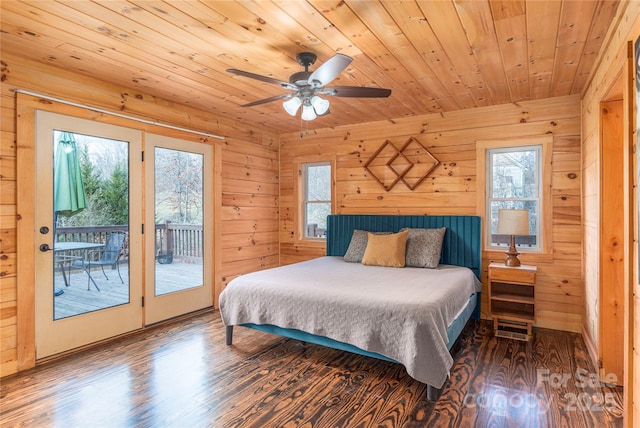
452	187
246	178
612	62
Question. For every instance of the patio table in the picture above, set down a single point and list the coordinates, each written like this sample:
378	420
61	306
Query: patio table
60	258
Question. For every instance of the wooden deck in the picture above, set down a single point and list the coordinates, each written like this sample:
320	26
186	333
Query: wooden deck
76	299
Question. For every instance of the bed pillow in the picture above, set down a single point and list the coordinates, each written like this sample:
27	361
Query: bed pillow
386	250
424	247
356	247
358	244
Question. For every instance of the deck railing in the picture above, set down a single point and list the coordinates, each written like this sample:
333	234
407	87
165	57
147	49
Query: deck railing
183	242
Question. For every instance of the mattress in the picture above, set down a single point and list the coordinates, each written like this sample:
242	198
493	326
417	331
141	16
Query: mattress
400	313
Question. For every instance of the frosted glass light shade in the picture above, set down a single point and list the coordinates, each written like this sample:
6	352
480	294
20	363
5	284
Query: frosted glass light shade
308	113
320	105
292	105
513	222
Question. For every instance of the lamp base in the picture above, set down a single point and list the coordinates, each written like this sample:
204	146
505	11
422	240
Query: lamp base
512	259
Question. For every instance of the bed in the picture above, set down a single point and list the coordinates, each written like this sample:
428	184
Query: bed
409	315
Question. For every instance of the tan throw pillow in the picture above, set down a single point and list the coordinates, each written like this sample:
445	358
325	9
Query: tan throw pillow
358	244
386	250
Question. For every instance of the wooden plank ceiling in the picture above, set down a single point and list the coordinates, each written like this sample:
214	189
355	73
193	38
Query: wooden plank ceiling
436	56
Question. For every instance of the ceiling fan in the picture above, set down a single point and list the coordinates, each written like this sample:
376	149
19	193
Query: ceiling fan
307	86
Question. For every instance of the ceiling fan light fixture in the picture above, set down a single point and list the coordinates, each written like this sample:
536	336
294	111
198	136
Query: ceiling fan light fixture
320	105
308	113
292	105
306	84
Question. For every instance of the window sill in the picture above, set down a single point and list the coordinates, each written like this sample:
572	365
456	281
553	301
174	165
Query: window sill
312	242
525	257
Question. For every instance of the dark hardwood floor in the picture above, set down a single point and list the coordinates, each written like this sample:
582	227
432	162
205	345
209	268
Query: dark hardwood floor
183	375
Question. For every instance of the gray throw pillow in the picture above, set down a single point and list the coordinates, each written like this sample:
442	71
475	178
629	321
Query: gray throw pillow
358	244
424	247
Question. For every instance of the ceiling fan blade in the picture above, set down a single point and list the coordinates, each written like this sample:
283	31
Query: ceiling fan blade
267	79
267	100
329	70
357	92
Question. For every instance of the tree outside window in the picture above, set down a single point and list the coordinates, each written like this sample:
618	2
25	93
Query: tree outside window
179	186
514	180
104	167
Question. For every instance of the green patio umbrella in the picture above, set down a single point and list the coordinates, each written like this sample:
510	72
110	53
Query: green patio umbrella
68	191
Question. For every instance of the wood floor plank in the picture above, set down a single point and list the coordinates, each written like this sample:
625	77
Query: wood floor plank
181	374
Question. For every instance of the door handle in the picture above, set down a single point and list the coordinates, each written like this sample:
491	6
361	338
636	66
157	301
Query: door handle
45	247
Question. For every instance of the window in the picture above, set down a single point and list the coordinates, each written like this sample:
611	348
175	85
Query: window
316	198
514	181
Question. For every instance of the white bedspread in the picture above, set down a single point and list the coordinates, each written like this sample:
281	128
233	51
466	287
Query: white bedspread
401	313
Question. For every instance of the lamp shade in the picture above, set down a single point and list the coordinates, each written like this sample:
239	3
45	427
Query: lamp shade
320	105
292	105
308	113
513	222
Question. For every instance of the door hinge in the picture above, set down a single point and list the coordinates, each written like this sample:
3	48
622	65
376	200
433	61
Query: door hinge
142	228
142	156
143	301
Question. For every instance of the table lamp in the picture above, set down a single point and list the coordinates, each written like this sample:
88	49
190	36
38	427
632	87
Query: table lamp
513	222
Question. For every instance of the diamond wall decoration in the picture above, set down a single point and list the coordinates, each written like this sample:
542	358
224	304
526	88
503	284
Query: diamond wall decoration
411	164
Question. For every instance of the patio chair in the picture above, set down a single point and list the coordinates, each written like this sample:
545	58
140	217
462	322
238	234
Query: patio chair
109	255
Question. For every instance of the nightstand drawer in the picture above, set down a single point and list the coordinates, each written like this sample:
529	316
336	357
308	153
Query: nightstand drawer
524	275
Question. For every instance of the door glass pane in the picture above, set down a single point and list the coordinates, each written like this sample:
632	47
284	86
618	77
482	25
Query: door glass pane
179	220
91	223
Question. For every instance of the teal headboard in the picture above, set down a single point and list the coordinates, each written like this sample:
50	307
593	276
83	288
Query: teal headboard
462	244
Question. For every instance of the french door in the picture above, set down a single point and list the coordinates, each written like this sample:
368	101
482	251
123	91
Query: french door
123	230
179	223
76	303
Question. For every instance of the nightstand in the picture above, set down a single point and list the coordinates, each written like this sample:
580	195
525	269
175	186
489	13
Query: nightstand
512	300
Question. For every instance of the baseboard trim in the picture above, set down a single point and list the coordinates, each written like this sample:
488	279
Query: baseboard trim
591	349
160	324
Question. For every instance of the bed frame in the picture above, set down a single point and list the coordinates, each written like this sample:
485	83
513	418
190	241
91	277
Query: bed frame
462	246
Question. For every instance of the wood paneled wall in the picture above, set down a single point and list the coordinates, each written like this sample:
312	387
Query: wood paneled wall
452	187
246	179
613	66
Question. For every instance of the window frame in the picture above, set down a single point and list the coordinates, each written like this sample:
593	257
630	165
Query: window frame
300	165
490	198
544	252
305	193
